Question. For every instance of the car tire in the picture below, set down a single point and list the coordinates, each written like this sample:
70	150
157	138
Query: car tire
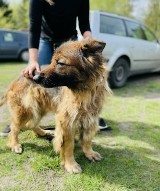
119	74
24	56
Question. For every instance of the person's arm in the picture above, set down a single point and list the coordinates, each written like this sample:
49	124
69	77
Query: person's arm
35	18
83	18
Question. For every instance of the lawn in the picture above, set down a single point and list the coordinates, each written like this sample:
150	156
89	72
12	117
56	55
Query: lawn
131	151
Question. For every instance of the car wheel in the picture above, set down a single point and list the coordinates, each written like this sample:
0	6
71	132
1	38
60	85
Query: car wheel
119	73
24	56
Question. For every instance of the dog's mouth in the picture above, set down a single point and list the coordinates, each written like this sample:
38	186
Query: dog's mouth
55	80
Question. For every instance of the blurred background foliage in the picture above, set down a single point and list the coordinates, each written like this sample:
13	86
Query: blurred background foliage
152	18
123	7
15	15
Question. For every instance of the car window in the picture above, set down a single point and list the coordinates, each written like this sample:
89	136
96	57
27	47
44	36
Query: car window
8	37
112	25
149	35
134	30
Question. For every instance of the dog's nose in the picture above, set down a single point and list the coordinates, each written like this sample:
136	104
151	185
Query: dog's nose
42	74
38	78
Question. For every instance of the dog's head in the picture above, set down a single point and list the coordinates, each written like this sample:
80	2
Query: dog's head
74	64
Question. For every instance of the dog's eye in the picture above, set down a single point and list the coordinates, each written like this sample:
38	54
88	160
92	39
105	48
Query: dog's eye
60	62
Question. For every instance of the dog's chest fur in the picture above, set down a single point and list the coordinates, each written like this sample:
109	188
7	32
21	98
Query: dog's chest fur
78	104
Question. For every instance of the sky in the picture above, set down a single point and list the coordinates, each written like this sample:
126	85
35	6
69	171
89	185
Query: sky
140	6
14	0
10	1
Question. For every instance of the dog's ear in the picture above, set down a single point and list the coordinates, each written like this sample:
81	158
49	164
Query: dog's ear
93	46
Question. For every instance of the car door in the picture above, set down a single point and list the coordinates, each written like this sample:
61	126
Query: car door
8	46
143	52
154	47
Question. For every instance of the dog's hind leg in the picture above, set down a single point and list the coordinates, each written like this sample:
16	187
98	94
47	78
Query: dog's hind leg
43	133
13	139
34	125
86	135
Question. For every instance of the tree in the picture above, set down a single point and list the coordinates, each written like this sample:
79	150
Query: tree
5	15
3	4
124	8
153	16
20	15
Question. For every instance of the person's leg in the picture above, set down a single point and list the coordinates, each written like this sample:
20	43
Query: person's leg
45	54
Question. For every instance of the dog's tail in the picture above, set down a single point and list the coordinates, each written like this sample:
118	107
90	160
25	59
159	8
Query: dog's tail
3	100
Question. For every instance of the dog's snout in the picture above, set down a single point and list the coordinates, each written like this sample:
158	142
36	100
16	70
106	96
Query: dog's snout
34	73
38	78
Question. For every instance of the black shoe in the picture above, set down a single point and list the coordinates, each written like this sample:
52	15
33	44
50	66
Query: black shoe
103	126
5	132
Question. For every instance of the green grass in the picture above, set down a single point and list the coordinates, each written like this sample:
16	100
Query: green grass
131	151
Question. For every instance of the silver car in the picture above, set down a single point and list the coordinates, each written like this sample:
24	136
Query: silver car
13	45
131	47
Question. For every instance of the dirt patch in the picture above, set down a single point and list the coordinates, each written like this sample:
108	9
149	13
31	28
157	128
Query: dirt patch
44	180
4	114
140	80
152	96
125	126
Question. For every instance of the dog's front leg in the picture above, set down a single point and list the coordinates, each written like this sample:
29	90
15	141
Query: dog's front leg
87	133
64	143
67	155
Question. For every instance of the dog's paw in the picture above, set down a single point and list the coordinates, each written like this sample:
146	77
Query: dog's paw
93	156
17	149
72	167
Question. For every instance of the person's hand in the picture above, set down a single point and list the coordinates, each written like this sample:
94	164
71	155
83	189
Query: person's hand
87	36
28	71
87	39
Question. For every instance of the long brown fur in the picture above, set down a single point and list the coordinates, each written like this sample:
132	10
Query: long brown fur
77	102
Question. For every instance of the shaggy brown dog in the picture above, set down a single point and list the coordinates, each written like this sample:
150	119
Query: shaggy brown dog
73	86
